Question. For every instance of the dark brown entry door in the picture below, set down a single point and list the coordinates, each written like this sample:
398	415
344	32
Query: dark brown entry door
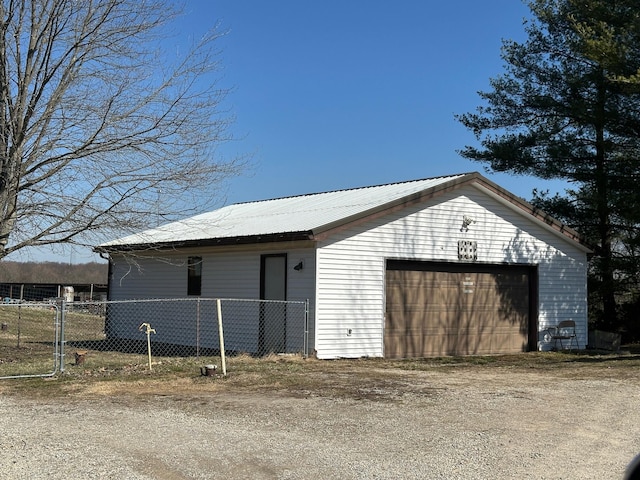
273	315
438	310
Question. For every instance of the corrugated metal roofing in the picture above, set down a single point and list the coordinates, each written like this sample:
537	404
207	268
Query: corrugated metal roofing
303	213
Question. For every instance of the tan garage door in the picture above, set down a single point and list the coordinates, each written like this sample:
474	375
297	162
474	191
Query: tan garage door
437	310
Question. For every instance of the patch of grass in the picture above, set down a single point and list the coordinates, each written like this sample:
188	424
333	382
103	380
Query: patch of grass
109	373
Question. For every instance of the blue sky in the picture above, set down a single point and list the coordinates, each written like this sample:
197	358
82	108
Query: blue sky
337	94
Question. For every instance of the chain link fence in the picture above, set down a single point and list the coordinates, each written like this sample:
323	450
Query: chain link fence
124	332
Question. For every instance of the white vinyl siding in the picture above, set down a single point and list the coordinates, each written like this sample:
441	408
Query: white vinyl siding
143	278
224	275
351	265
231	275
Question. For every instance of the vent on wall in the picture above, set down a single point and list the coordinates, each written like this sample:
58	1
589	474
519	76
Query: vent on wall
467	250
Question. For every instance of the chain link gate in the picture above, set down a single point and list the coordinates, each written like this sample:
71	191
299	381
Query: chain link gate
31	339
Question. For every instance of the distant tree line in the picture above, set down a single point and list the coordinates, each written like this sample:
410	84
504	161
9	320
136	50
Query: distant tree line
53	272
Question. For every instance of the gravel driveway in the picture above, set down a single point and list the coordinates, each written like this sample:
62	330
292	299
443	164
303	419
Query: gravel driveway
435	424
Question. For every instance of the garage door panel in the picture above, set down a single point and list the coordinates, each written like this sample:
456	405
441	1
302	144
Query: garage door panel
410	346
508	343
404	320
414	345
469	344
456	312
432	330
441	345
394	343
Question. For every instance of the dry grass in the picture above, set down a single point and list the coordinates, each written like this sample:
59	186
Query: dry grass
299	377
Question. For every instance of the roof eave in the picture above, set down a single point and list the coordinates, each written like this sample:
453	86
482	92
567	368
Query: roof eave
542	217
207	242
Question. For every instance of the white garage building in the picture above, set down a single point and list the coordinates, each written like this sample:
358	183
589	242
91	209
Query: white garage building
451	265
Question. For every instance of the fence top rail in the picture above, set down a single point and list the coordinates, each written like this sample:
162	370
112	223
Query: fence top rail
183	299
22	304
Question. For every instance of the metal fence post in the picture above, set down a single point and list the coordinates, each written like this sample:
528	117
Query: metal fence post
56	339
198	328
305	340
221	337
63	314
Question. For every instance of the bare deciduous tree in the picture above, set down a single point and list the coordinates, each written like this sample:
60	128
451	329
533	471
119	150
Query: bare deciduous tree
101	131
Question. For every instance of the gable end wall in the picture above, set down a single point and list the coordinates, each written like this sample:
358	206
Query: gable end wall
350	293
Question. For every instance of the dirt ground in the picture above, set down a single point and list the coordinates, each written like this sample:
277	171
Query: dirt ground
352	420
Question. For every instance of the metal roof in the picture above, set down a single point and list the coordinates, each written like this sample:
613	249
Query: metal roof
281	216
312	216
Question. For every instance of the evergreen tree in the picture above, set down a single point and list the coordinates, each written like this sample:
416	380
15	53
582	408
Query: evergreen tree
568	107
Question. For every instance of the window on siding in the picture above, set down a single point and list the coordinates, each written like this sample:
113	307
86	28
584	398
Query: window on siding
194	276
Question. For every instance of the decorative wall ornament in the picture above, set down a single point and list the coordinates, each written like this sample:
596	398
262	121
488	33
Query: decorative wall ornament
466	221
